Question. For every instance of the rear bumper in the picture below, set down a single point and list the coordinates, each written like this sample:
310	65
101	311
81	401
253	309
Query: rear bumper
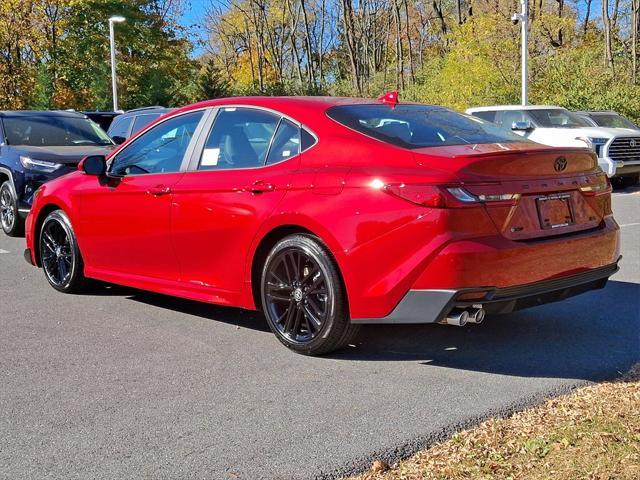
431	306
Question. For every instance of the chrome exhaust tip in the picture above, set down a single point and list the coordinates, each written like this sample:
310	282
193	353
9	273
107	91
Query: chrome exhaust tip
459	318
476	315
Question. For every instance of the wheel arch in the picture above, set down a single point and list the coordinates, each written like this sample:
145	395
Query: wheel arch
269	240
42	214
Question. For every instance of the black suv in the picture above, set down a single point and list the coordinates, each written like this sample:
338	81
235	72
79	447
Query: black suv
36	147
130	122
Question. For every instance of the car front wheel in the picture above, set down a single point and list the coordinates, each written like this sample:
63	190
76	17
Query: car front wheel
12	225
303	297
59	254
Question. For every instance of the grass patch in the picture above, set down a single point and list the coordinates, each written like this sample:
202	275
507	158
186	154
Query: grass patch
592	433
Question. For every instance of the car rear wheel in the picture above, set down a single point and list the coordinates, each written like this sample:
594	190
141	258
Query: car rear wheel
59	254
11	222
303	297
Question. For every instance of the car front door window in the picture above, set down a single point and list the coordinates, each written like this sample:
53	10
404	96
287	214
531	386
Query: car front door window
160	150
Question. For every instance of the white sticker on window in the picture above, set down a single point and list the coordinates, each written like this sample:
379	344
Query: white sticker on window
210	157
286	153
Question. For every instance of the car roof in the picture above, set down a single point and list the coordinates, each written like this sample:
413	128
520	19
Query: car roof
306	110
595	112
145	110
515	107
41	113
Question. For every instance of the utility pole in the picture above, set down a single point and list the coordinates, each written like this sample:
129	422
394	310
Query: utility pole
112	43
523	18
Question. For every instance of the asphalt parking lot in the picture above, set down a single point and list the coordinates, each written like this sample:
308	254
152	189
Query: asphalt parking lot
127	384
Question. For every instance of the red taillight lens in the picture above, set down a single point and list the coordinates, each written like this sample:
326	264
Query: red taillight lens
446	196
426	195
601	186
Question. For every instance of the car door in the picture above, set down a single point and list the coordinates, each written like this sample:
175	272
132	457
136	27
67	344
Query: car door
238	176
125	218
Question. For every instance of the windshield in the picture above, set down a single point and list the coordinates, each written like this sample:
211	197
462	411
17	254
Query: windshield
557	118
612	120
53	131
416	126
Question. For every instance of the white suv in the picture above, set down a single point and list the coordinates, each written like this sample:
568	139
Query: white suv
618	150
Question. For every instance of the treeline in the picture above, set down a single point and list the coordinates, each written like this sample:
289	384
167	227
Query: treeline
55	53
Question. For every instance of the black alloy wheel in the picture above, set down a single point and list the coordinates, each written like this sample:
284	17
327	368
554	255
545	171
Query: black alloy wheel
303	297
59	254
9	218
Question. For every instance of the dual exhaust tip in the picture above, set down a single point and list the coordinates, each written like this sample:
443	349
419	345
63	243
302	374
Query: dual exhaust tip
461	316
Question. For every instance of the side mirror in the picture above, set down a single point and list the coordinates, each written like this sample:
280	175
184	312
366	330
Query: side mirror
93	165
522	126
118	140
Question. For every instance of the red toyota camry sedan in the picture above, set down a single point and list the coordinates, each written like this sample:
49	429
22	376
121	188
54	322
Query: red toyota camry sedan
329	213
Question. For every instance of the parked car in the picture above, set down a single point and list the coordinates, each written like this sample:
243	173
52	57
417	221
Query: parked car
608	119
328	213
133	121
618	151
102	118
36	147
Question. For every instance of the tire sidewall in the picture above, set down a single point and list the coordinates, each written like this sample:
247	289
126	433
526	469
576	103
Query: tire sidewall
16	220
76	269
312	247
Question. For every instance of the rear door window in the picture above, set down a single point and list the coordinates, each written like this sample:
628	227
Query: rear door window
240	138
120	127
142	121
286	142
488	116
506	118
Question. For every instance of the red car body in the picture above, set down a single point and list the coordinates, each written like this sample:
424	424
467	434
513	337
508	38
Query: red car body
407	250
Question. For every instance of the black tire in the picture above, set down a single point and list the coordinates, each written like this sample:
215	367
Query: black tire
12	224
303	297
59	254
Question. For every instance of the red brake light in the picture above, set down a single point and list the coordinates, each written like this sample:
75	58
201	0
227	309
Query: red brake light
602	187
449	196
426	195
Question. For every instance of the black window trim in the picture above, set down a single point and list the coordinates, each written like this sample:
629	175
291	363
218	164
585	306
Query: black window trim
194	161
187	154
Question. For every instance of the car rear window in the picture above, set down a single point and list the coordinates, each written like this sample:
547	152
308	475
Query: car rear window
418	126
53	131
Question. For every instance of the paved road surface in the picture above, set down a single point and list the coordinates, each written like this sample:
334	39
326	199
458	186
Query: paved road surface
126	384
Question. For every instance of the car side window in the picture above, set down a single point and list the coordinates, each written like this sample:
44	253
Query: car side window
160	149
489	116
240	138
286	142
120	127
142	121
507	118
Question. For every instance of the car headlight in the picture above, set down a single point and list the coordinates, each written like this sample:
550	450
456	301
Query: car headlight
595	143
39	165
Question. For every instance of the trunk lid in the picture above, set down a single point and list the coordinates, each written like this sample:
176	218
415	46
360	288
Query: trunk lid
560	190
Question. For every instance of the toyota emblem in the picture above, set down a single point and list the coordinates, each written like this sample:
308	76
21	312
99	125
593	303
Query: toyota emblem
560	164
632	143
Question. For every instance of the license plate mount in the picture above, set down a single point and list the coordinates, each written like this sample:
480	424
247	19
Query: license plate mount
554	211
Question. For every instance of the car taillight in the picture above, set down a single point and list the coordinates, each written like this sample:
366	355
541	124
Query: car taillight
426	195
601	187
439	196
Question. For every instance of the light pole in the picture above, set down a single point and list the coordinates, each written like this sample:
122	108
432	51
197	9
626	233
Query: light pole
523	18
112	42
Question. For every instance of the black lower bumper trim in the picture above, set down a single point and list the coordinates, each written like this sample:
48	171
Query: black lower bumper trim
430	306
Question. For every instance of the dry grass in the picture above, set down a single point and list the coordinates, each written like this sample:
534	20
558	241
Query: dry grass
593	433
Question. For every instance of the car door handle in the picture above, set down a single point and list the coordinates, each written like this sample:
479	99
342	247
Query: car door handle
159	190
261	187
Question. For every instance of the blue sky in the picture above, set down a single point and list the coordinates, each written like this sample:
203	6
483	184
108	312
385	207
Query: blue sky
193	18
